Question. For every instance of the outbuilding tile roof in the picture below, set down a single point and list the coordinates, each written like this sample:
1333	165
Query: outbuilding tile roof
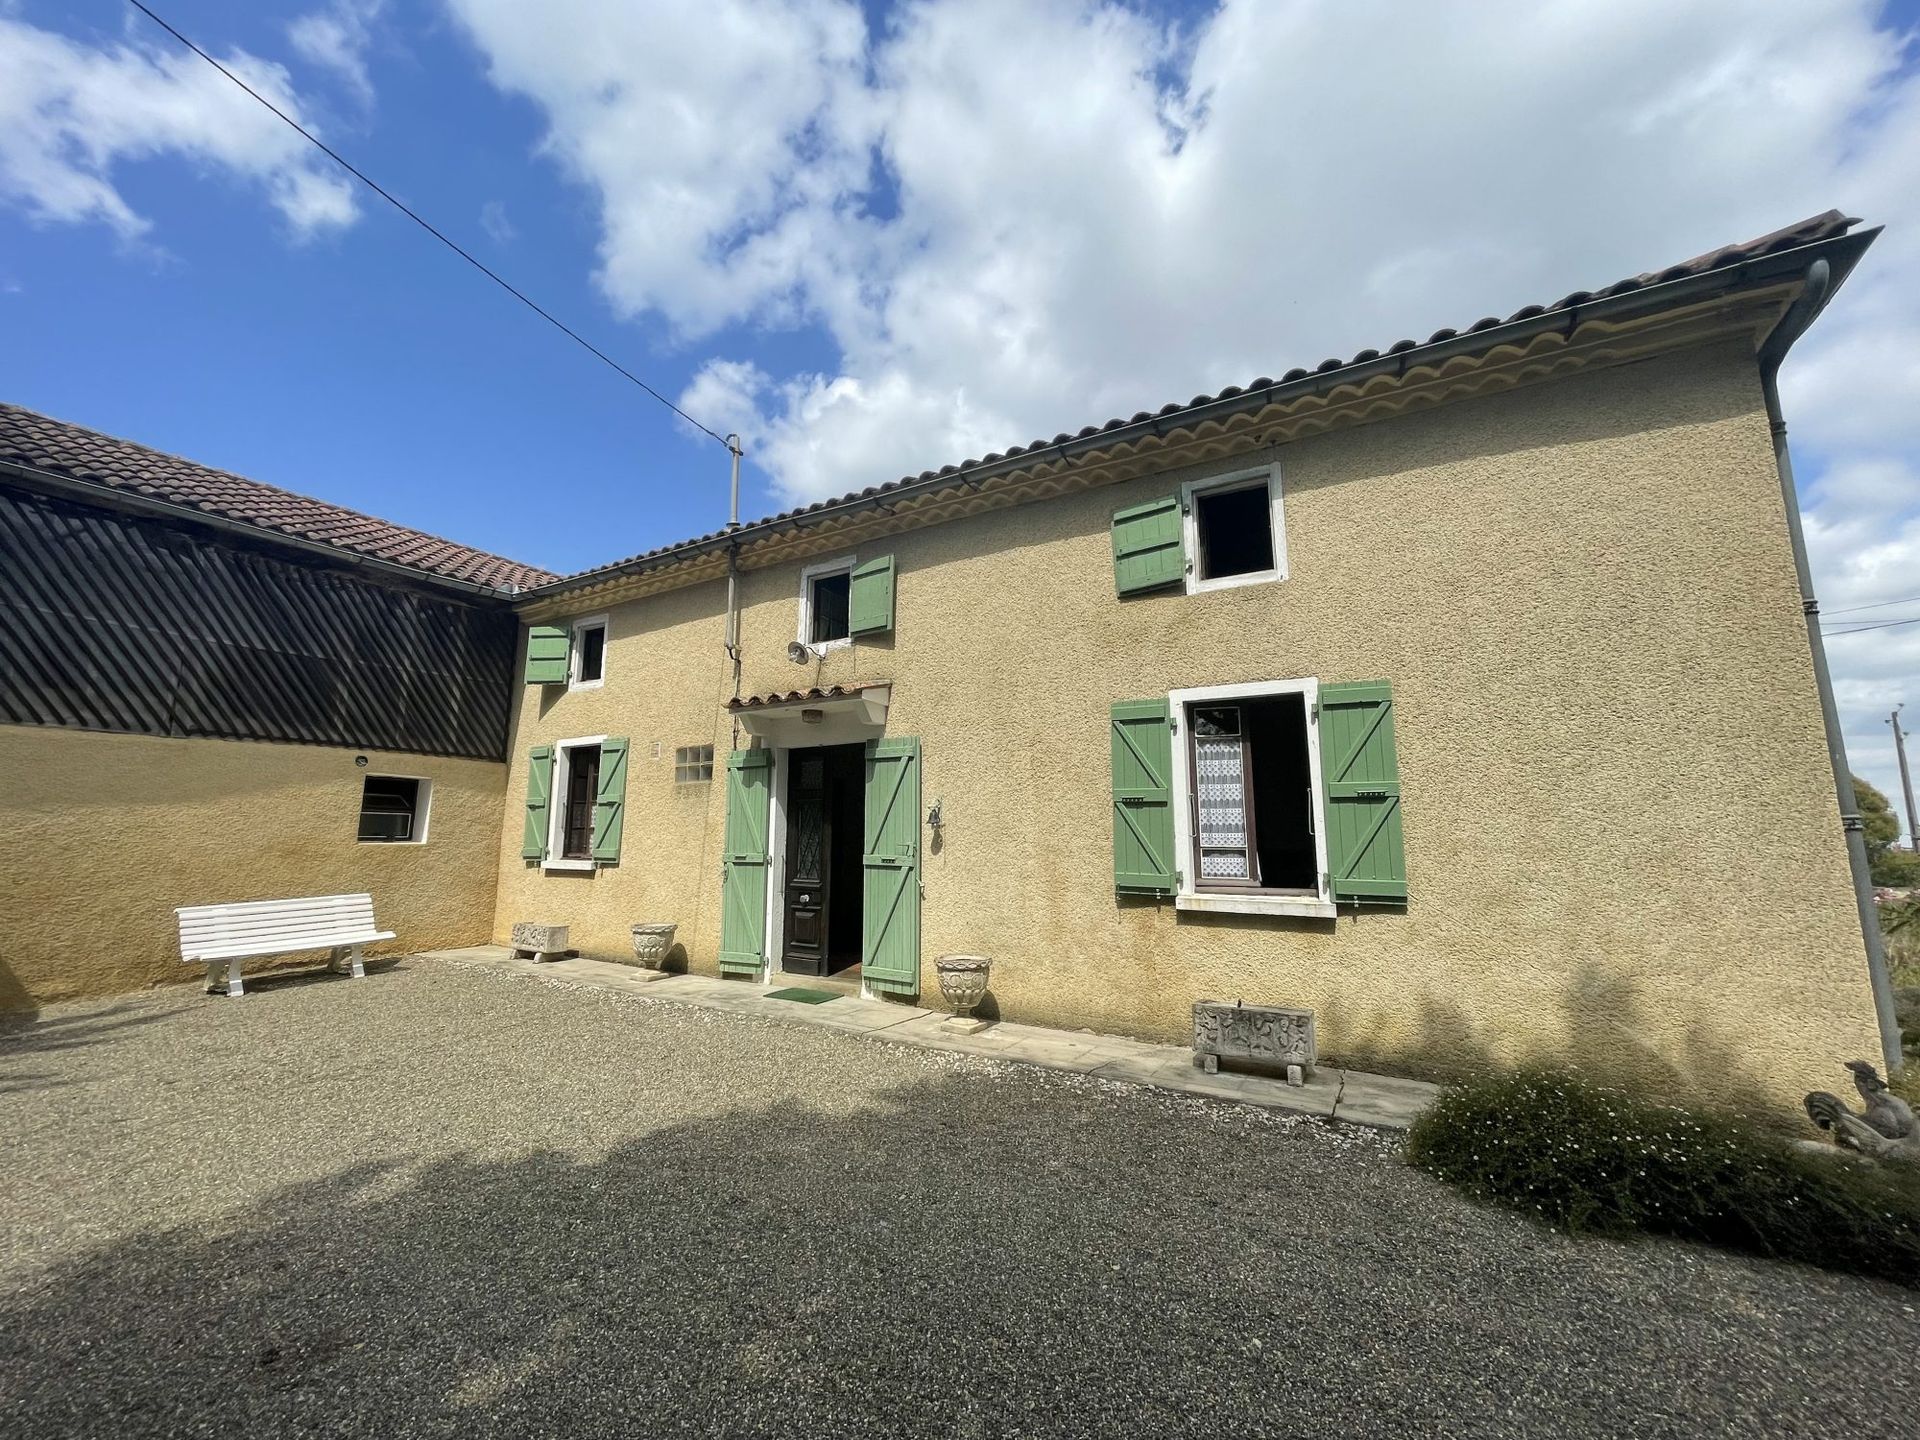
1814	228
75	453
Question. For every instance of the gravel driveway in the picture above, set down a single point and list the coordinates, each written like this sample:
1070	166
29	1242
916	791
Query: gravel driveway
442	1202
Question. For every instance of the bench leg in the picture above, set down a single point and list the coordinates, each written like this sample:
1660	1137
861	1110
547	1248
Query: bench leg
234	988
354	964
216	982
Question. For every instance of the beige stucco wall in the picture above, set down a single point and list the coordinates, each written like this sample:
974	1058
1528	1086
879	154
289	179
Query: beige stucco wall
108	833
1621	838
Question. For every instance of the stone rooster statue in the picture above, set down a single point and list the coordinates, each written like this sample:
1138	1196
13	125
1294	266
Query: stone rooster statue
1888	1130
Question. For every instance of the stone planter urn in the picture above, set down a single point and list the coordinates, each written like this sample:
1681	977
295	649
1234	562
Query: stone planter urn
963	983
652	942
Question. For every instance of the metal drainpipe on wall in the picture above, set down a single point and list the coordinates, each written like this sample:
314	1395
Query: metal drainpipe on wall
733	577
1773	350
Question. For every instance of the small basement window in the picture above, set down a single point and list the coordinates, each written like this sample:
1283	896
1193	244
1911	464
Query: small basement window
393	810
1253	806
1235	534
826	592
693	764
589	653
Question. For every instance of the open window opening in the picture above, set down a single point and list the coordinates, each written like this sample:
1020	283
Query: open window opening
826	603
393	810
1252	798
578	785
589	653
1235	534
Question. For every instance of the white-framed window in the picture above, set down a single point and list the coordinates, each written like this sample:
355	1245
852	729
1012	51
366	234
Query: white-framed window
394	809
1248	801
1236	530
587	655
826	598
576	786
692	764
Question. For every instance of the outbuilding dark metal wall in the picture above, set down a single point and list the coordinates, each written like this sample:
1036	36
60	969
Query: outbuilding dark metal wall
144	626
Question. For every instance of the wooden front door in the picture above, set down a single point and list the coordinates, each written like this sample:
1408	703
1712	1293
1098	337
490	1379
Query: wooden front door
809	864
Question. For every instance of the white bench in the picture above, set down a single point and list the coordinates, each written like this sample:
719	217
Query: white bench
220	936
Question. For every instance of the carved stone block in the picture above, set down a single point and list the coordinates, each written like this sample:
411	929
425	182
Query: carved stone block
539	940
1261	1034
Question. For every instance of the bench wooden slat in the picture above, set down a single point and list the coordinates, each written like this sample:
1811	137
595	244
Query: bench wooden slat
292	925
281	917
319	904
249	951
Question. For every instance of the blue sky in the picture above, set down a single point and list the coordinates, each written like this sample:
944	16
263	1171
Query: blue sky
369	366
877	239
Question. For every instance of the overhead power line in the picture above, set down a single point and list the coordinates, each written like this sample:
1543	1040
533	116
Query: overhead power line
413	215
1883	625
1877	605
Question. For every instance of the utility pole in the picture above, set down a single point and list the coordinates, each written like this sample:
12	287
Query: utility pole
1906	776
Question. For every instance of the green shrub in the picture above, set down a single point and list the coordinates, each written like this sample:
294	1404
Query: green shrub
1587	1159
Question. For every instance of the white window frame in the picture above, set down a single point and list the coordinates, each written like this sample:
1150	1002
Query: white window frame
1319	903
809	574
422	814
589	622
557	804
1190	526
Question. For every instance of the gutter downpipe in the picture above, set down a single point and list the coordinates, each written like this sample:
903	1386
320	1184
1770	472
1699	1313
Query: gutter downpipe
1800	315
733	576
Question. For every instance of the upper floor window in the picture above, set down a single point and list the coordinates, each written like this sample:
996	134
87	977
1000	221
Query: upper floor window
826	594
588	653
1218	532
1234	531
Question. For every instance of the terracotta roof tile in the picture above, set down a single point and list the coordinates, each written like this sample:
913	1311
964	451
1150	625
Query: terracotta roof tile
811	696
75	453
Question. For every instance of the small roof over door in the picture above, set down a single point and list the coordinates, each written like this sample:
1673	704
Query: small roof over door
834	715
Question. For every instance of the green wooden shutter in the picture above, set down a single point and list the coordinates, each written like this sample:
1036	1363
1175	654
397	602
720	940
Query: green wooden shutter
610	801
1143	841
870	597
533	837
1366	855
890	867
1149	547
547	655
743	865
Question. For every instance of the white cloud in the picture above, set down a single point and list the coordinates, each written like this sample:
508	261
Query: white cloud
723	139
71	113
1012	217
493	220
337	38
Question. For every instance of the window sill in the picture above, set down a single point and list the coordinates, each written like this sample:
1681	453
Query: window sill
1304	905
574	685
822	647
1233	582
392	844
567	864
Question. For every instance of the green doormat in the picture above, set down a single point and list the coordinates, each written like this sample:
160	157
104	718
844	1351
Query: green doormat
803	996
